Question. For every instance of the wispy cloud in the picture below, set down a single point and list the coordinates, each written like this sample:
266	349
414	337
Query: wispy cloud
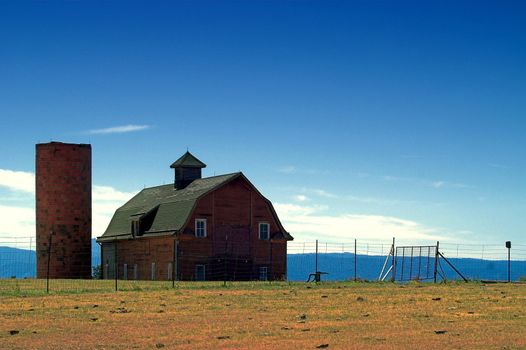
498	166
323	193
312	222
119	129
288	169
292	169
424	182
382	201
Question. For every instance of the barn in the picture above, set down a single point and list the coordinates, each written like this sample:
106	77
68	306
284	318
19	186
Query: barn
213	228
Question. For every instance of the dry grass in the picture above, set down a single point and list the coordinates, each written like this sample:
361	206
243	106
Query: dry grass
262	315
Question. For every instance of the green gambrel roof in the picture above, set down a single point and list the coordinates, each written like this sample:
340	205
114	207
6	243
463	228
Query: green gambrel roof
172	207
188	160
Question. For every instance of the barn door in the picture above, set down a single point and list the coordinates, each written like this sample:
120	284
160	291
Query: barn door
233	241
108	260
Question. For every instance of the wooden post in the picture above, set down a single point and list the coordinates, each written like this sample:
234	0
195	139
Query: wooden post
411	265
225	263
270	270
436	263
393	264
116	267
174	261
316	256
48	260
355	277
509	266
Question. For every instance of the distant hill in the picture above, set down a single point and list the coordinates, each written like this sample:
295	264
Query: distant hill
340	266
20	263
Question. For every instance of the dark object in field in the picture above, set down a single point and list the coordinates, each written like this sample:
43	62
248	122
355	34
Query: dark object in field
14	332
223	337
120	310
436	299
440	331
322	346
360	299
159	345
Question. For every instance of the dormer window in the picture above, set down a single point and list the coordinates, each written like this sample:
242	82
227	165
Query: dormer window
136	228
200	228
264	229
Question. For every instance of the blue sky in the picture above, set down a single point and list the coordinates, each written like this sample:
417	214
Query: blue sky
357	118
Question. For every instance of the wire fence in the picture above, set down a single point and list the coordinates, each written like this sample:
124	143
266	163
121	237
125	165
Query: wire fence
165	262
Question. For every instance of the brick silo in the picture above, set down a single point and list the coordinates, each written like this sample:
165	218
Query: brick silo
63	209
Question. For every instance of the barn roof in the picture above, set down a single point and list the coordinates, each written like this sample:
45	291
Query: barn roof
169	208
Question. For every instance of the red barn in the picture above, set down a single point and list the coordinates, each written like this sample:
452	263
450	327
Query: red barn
213	228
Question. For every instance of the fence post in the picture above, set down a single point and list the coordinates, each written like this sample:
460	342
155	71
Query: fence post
48	260
355	260
316	256
174	260
225	262
30	245
393	264
270	270
116	268
508	245
436	263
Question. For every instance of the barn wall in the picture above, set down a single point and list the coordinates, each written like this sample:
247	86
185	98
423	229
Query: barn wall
231	250
142	252
233	214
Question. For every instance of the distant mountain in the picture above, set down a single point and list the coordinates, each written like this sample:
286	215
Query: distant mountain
20	263
340	266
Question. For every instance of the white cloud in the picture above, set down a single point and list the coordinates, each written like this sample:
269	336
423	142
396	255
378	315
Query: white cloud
119	129
301	198
307	223
107	193
106	200
19	220
323	193
17	180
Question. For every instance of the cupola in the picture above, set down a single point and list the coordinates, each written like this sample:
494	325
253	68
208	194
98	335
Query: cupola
187	169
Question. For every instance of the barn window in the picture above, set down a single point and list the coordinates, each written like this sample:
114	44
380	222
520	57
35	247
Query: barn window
263	273
263	230
200	227
200	273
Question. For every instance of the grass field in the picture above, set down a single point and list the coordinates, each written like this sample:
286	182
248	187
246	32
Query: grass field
269	316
